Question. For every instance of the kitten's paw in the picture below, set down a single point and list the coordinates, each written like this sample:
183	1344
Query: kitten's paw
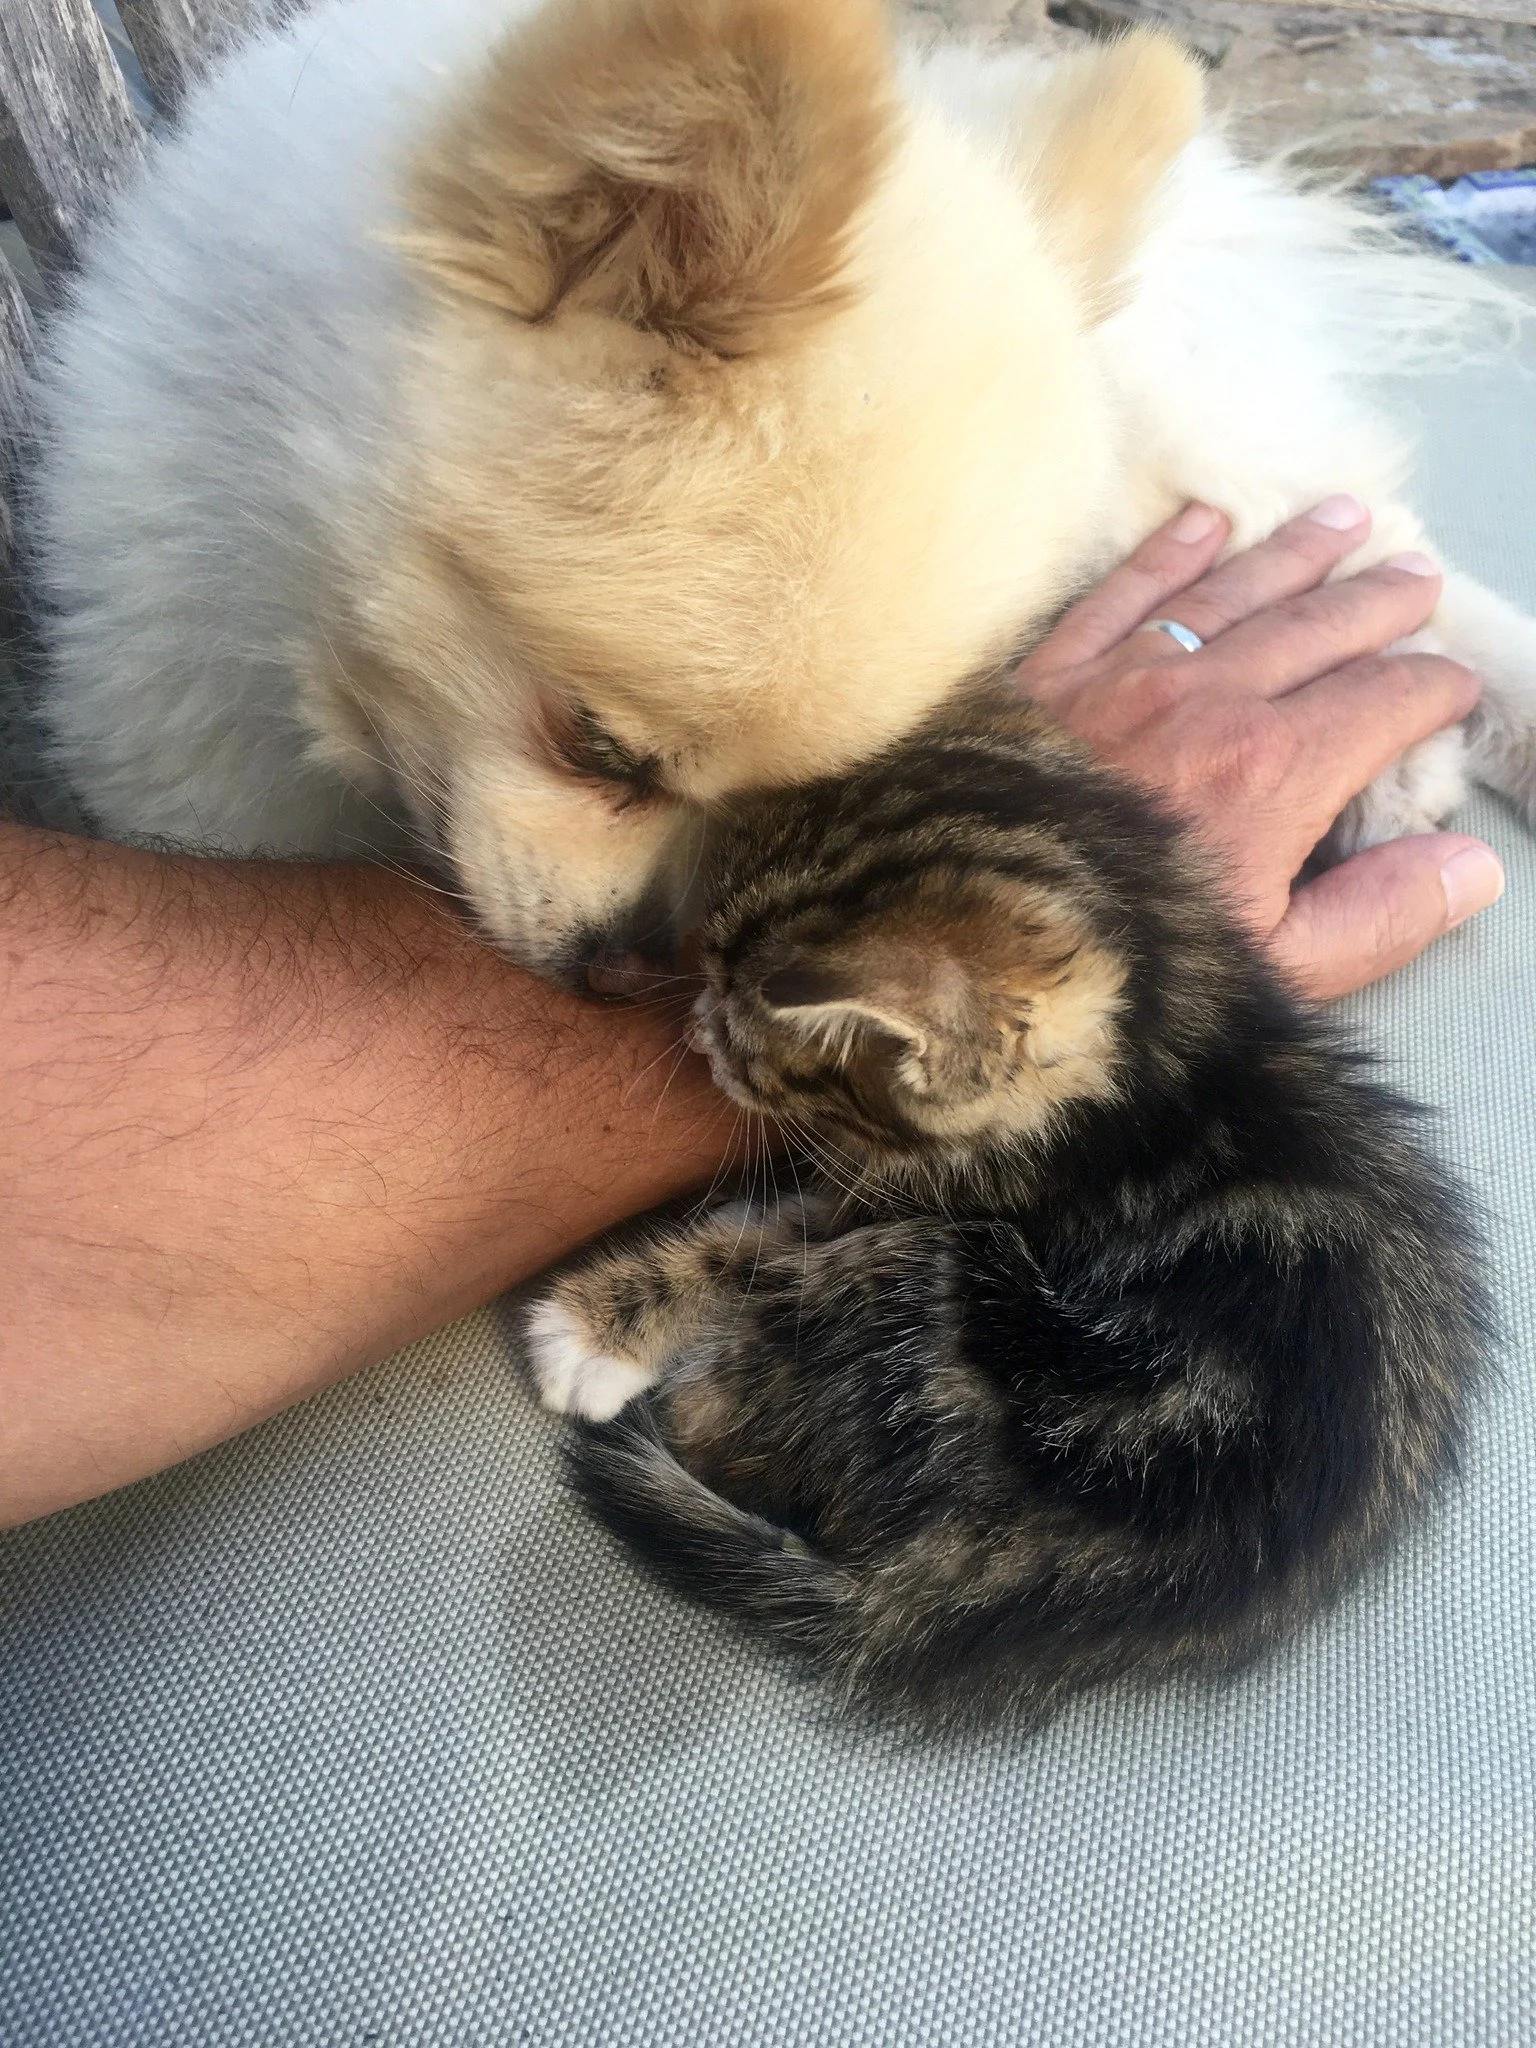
740	1215
784	1219
573	1378
801	1217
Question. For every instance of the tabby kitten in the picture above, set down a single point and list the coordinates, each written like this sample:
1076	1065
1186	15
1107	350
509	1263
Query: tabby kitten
1124	1316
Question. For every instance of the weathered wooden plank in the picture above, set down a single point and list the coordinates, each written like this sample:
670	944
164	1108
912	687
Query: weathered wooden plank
16	344
68	132
173	42
31	792
177	40
15	352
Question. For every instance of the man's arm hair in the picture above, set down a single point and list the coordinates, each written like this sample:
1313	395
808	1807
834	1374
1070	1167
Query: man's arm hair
261	1123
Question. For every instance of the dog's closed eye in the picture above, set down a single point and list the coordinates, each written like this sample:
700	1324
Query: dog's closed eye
583	744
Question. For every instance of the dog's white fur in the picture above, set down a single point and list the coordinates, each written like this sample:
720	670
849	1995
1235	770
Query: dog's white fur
324	535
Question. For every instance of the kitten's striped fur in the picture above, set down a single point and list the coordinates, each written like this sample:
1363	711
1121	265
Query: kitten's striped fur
1129	1316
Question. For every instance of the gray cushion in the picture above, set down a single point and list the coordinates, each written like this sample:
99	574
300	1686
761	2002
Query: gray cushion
354	1731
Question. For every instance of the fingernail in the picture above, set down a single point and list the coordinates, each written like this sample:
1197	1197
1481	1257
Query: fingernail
1413	564
1341	513
1471	879
1195	522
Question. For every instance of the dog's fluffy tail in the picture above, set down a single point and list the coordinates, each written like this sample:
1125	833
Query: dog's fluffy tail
1390	304
1414	310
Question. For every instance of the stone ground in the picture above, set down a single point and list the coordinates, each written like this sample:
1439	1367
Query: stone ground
1374	87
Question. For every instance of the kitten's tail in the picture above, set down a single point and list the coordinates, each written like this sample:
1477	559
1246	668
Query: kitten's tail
702	1544
868	1635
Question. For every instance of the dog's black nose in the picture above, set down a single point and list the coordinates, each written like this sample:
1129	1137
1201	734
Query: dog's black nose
631	962
623	974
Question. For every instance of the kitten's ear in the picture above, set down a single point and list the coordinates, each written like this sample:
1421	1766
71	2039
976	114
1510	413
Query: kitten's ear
689	166
1096	144
914	987
1017	978
853	990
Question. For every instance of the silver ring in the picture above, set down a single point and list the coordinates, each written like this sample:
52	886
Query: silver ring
1190	642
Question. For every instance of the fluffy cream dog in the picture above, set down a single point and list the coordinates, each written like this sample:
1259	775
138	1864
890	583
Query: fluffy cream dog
525	427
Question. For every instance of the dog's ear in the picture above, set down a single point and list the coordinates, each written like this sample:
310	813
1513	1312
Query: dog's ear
689	166
1096	145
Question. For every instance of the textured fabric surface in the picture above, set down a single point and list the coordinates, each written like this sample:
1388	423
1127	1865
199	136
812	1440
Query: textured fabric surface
354	1732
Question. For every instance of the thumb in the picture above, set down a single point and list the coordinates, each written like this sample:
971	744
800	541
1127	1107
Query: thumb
1378	911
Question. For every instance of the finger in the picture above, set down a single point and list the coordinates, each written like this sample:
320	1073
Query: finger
1380	910
1303	638
1346	727
1296	557
1167	562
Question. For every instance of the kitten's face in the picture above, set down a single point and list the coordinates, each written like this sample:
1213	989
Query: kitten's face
751	414
964	1008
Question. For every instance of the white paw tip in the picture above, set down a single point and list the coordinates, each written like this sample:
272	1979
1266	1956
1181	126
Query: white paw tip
572	1378
744	1215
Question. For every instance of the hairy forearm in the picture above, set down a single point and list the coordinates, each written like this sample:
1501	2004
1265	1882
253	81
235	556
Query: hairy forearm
260	1124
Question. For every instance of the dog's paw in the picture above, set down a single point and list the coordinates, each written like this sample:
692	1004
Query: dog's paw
1416	794
572	1376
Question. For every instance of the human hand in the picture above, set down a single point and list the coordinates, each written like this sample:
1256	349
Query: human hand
1261	738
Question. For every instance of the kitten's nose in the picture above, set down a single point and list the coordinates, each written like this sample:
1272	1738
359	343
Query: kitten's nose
699	1030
